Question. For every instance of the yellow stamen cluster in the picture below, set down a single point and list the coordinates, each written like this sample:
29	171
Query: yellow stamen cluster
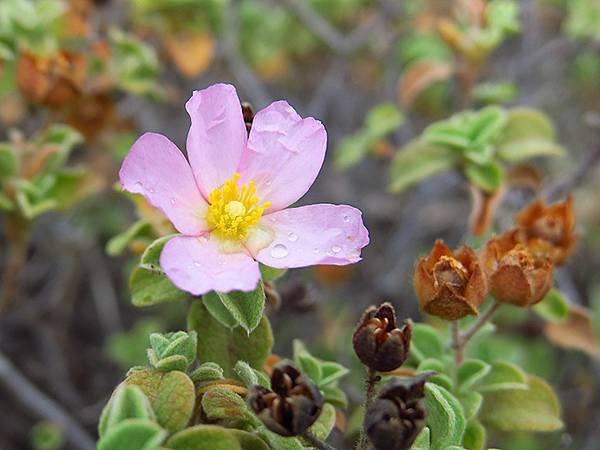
232	210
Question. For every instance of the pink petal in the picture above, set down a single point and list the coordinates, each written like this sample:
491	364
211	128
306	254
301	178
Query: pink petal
198	265
155	168
284	154
217	135
314	234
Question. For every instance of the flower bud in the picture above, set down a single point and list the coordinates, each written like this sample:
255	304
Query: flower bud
293	404
514	274
172	351
450	285
396	417
378	342
548	230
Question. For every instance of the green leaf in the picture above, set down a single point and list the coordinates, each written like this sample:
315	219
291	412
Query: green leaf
249	441
503	375
246	308
117	244
134	434
422	441
528	133
554	307
171	395
426	343
419	160
475	435
488	177
271	273
331	372
246	374
278	442
218	310
225	346
227	408
334	395
324	424
533	409
173	351
126	402
445	417
383	119
151	288
204	437
470	372
148	284
486	125
8	161
471	402
208	371
352	150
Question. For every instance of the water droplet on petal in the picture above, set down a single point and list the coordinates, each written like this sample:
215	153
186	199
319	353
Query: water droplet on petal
316	250
139	185
279	251
172	200
346	218
273	219
293	237
197	263
151	190
336	249
203	239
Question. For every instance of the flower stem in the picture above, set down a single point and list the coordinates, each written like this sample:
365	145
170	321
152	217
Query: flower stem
481	321
457	344
315	441
371	383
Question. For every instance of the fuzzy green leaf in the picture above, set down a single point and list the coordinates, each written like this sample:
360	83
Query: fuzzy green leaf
148	284
227	408
471	402
383	119
324	424
171	395
249	441
533	409
554	307
422	441
208	371
246	308
271	273
426	343
470	372
204	437
225	346
474	438
488	177
117	244
126	402
445	417
133	434
8	161
503	375
420	160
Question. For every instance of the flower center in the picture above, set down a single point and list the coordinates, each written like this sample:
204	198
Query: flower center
233	210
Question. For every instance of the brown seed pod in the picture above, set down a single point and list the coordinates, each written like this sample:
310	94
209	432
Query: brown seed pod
377	340
450	285
515	275
397	415
548	230
293	404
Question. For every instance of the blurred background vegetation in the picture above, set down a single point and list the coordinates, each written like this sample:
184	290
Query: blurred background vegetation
81	79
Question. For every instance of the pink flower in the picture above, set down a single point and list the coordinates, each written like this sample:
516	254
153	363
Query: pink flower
229	203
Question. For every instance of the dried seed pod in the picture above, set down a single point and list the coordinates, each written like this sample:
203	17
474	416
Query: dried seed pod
377	340
396	417
515	275
248	115
52	81
548	230
450	285
293	404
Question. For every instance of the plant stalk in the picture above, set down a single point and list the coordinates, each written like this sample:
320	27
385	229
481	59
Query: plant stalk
315	441
371	383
